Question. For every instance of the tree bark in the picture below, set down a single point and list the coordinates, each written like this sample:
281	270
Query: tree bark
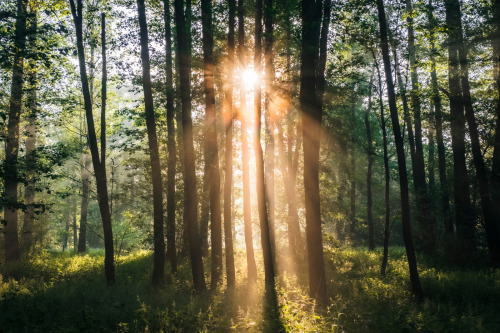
370	153
496	76
85	174
385	256
426	220
30	145
438	121
190	197
99	168
311	129
12	250
243	114
172	157
490	218
158	235
463	210
269	118
403	177
212	153
228	125
259	158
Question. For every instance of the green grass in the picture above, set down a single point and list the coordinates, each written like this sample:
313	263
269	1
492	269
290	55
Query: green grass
62	292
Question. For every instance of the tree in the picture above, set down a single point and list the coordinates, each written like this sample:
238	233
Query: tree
269	164
461	192
12	251
158	236
30	184
190	197
247	209
212	151
265	236
370	153
311	129
426	220
171	144
99	168
438	120
403	177
228	125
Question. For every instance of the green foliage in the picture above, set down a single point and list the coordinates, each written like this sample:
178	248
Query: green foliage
63	292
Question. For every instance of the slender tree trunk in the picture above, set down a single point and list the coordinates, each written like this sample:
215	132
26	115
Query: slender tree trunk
403	177
172	158
12	250
311	129
75	229
490	220
370	153
259	158
438	120
289	168
30	145
205	199
461	191
190	197
247	209
66	228
426	220
404	99
85	174
212	151
228	125
385	256
158	234
269	117
496	75
99	168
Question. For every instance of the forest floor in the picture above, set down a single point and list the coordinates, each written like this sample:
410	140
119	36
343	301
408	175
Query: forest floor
65	292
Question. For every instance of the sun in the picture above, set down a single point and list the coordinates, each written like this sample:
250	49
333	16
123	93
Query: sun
249	77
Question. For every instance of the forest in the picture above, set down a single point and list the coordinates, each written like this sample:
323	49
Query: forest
250	165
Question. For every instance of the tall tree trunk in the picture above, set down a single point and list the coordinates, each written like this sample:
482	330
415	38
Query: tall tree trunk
75	229
228	125
496	76
66	228
370	153
269	117
404	99
99	168
212	150
490	220
12	250
438	121
158	235
311	129
205	199
104	97
426	220
172	158
289	169
259	158
385	256
30	145
247	209
463	209
352	177
190	197
403	177
85	174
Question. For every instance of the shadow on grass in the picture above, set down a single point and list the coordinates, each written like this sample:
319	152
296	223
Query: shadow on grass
271	312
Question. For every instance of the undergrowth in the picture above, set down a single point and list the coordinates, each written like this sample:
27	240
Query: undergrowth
63	292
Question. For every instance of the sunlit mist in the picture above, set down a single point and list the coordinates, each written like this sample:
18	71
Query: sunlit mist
249	77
